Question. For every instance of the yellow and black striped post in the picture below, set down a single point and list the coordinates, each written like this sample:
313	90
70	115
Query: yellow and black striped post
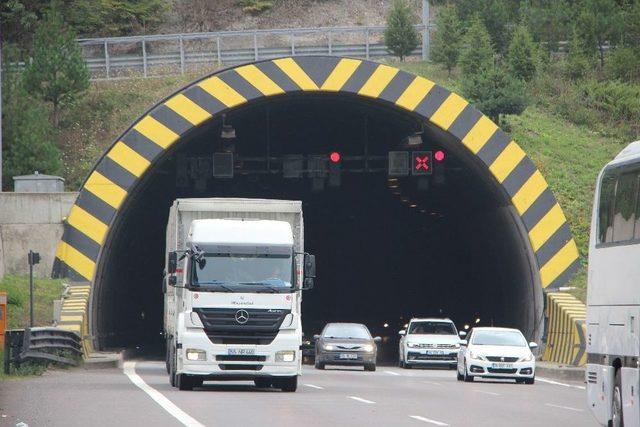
566	331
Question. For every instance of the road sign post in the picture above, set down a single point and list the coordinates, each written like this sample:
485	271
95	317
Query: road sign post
34	258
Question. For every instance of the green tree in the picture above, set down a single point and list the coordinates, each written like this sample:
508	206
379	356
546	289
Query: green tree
400	36
27	134
57	72
522	54
497	15
122	17
576	63
446	44
477	52
598	23
548	21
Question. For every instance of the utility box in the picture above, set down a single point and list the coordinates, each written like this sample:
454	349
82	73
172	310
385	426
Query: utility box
38	183
3	317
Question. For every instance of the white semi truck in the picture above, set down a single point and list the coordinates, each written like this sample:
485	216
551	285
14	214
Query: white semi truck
235	271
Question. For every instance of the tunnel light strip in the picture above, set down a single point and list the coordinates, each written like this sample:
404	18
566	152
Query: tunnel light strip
105	189
128	158
259	80
545	228
449	111
296	73
87	224
479	134
221	91
340	74
559	263
378	81
415	93
156	132
188	109
76	260
507	161
529	192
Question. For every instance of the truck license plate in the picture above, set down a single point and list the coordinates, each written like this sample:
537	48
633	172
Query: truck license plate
242	351
502	365
348	356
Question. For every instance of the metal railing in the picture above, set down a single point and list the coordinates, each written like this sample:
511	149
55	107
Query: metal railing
156	55
42	345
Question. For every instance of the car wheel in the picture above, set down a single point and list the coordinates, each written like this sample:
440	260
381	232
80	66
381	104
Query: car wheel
530	380
289	384
319	365
617	419
467	378
370	367
262	382
459	376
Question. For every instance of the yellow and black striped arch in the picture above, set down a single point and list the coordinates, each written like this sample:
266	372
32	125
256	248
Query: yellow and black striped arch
144	144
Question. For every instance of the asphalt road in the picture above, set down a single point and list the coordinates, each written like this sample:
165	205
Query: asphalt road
141	395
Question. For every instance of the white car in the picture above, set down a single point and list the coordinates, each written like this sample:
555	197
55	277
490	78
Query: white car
497	353
429	342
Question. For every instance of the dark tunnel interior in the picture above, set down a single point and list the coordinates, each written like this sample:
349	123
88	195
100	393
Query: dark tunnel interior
445	245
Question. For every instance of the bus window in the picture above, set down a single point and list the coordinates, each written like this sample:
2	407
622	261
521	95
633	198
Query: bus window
605	223
624	209
636	234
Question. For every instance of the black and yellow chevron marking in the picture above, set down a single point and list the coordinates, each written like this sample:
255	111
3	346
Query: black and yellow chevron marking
566	331
142	146
73	315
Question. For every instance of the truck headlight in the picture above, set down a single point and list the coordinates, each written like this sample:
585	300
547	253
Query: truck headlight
286	356
196	354
528	358
328	347
368	348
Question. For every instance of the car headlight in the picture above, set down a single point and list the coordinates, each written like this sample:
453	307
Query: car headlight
328	347
286	356
476	356
528	358
412	344
196	354
368	348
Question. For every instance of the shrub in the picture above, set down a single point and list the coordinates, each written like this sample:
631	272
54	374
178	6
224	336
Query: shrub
624	63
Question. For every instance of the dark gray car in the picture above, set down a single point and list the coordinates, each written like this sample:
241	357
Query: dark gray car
346	344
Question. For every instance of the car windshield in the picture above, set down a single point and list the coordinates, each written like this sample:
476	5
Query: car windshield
236	272
505	338
432	328
346	331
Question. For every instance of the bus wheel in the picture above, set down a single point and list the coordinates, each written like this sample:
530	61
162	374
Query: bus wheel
617	419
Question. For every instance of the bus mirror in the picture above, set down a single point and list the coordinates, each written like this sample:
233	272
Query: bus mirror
172	264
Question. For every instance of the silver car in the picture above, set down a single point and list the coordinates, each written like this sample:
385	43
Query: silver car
346	344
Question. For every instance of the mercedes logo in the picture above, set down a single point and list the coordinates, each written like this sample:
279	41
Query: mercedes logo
242	316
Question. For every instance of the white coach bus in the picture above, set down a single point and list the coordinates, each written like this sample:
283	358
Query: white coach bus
613	293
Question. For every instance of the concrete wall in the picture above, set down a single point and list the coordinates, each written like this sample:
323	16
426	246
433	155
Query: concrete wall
31	221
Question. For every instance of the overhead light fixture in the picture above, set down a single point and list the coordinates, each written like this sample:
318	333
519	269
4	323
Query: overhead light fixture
228	136
415	139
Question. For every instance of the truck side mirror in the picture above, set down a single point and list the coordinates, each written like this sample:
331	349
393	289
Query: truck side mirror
172	264
308	283
309	266
172	280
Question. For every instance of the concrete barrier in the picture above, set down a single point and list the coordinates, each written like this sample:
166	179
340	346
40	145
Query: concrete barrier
31	221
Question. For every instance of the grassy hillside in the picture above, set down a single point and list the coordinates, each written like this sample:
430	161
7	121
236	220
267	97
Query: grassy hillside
568	155
17	289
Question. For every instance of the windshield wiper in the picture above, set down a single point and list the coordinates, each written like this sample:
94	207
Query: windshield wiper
264	285
216	283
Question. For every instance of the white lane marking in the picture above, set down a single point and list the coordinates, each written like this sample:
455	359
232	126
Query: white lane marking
569	408
315	386
359	399
431	382
487	392
129	369
545	380
392	373
427	420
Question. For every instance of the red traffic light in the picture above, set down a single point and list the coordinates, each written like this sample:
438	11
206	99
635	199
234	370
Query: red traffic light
335	157
439	155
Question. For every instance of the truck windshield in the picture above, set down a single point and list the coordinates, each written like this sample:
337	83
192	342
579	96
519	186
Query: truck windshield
238	272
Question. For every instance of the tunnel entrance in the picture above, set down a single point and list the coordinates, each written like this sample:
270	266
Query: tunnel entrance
476	241
388	248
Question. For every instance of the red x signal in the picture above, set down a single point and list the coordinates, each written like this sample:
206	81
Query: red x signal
421	162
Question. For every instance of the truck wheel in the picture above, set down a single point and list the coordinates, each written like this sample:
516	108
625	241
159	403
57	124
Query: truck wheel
370	367
289	384
262	382
617	419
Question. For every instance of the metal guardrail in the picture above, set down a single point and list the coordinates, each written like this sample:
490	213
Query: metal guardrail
155	55
43	344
